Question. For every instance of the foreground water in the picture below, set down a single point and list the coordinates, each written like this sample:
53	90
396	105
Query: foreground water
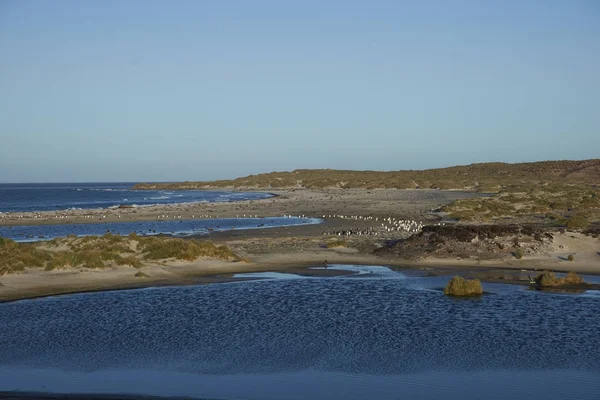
63	196
170	227
374	335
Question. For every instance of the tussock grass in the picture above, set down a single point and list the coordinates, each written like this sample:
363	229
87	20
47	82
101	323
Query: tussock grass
96	252
518	253
549	279
459	286
568	205
141	275
154	248
338	243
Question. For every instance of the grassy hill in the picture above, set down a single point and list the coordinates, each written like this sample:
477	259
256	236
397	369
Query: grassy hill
484	177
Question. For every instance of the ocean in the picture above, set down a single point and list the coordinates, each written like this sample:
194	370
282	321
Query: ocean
25	197
376	334
15	198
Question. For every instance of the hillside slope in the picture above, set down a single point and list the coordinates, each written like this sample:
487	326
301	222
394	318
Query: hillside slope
482	177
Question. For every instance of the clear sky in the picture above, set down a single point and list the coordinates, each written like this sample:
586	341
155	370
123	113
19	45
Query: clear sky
195	90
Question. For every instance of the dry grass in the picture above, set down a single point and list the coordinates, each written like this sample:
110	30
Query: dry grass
549	279
94	252
485	177
458	286
337	243
518	253
567	205
154	248
141	275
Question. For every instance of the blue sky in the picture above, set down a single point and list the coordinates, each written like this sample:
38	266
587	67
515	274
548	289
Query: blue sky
199	90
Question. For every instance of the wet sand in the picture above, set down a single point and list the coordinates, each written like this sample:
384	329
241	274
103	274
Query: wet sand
36	283
293	247
311	203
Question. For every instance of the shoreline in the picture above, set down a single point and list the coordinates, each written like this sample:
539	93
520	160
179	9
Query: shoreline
287	248
312	203
37	284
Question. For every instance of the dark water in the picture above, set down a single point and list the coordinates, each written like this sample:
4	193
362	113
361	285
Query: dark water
63	196
171	227
378	335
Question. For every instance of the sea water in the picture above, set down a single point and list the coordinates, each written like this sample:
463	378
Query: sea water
63	196
374	334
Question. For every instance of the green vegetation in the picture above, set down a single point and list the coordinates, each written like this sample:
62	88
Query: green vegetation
575	222
549	279
485	177
567	205
94	252
564	191
458	286
142	275
518	254
337	243
155	248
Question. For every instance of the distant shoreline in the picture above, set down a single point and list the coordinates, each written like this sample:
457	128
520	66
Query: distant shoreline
290	247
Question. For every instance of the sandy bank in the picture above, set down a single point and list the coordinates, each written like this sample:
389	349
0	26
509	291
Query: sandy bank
37	283
312	203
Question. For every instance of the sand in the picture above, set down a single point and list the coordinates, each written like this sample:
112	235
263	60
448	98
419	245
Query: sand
311	203
293	248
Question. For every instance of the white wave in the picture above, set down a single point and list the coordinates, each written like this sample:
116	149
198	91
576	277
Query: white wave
157	198
375	270
267	275
108	190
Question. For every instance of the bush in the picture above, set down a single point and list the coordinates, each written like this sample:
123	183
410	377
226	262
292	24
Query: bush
188	250
337	244
518	254
572	278
103	251
140	274
129	260
458	286
577	222
571	257
548	278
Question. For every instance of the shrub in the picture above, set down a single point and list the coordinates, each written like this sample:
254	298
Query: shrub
571	257
572	278
102	251
458	286
140	274
130	260
577	222
4	242
188	250
548	278
518	254
337	244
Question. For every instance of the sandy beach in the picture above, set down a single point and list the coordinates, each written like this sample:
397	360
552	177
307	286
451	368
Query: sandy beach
294	248
312	203
37	283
